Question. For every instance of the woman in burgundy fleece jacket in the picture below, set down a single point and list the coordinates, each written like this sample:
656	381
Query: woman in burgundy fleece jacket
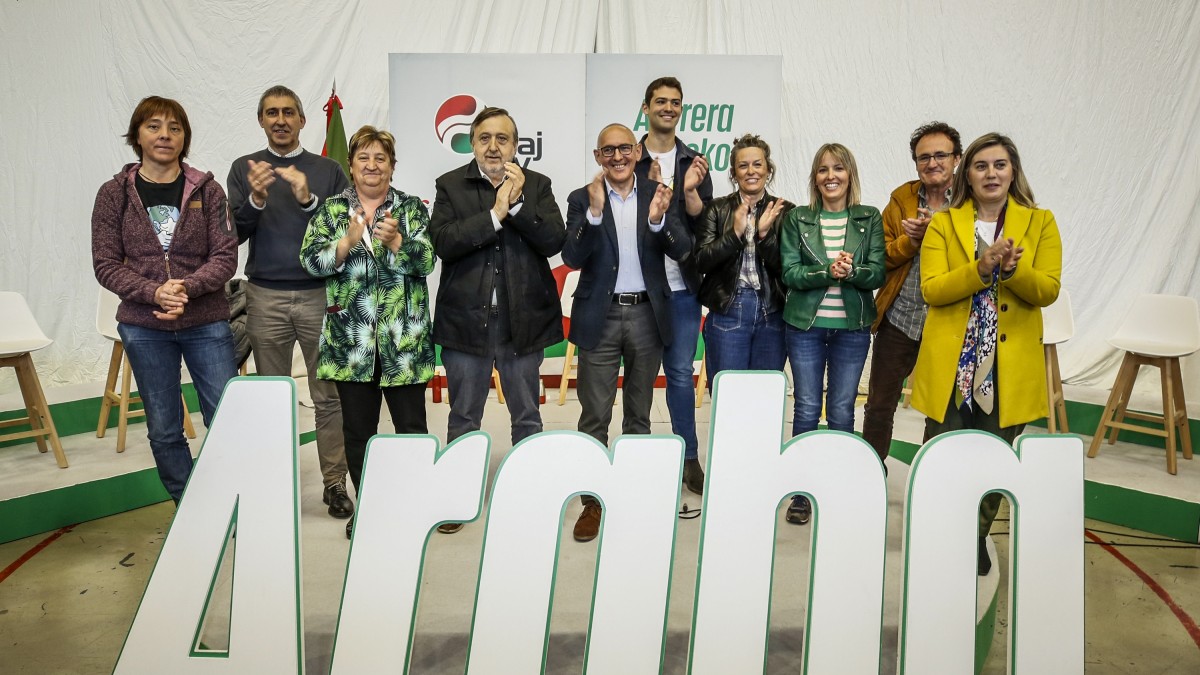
163	242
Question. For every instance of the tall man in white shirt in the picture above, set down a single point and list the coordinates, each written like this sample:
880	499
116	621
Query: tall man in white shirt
667	160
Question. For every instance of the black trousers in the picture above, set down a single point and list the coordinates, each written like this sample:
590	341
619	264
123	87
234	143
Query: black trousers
360	416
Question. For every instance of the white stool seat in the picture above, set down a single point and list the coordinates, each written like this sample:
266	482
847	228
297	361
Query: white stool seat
1160	325
1058	321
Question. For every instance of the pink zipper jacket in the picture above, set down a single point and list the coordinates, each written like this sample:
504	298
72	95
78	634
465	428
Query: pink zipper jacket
129	260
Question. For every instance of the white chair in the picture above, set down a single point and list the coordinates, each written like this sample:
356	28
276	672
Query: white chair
1158	330
20	336
569	285
1058	326
106	325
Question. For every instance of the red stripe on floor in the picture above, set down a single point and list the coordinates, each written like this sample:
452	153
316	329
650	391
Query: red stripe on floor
1189	624
16	564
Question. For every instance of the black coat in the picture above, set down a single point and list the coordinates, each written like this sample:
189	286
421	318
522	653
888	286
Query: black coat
718	254
466	240
592	249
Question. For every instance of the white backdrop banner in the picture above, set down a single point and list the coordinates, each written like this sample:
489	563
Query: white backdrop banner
434	97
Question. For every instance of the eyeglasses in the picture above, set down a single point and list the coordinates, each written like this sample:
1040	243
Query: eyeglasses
609	150
938	157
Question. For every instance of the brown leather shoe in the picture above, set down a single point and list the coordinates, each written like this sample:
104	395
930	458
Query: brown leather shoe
588	525
449	528
693	476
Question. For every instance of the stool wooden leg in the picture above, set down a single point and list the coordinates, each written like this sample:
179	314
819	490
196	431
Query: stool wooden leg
1128	379
1185	431
39	409
499	389
110	383
436	384
1114	398
701	381
188	429
1060	396
566	374
1051	413
1169	419
123	412
30	398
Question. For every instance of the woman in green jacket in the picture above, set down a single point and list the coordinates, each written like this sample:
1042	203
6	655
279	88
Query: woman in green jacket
371	244
833	257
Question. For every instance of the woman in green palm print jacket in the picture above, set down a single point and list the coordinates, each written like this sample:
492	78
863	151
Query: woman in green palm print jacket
371	244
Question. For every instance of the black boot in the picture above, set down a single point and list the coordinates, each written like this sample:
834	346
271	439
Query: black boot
693	476
985	561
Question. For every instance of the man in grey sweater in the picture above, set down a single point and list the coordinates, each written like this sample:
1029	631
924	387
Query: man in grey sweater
273	193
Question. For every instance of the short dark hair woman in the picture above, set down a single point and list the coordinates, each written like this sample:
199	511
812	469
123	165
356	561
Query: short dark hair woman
162	241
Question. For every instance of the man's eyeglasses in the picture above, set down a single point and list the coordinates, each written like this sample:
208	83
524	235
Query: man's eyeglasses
938	157
609	150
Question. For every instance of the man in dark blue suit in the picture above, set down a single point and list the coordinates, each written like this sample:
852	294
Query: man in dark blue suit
618	230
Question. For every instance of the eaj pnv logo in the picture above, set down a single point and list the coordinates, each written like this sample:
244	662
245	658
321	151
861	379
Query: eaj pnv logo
453	122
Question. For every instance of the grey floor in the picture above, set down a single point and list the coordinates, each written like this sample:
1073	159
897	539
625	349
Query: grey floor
68	606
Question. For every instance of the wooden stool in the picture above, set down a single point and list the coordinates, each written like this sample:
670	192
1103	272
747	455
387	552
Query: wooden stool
20	336
37	410
1159	330
1174	420
117	363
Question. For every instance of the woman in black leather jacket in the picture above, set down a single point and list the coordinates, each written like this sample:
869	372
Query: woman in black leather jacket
737	251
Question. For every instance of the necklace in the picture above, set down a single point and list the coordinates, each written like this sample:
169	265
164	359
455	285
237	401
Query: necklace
148	179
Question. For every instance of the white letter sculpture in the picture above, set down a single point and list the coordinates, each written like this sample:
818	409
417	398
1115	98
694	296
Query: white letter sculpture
748	476
1043	480
245	478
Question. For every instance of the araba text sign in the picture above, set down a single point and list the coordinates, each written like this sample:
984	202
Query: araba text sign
247	474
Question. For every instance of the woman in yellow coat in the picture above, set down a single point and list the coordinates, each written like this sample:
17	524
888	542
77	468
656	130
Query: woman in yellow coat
988	266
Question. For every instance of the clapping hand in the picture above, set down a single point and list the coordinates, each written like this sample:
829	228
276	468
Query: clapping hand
695	173
596	193
260	176
1000	252
915	227
387	231
298	182
768	217
660	203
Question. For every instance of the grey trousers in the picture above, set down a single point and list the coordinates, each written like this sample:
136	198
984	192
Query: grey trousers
277	320
630	335
469	379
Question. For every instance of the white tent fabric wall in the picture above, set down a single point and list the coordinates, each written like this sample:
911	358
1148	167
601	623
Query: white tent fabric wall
1102	98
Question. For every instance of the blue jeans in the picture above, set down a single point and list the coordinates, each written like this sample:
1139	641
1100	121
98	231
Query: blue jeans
678	360
155	356
810	351
744	337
